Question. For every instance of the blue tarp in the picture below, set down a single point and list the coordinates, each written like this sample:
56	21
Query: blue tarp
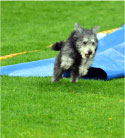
110	54
108	62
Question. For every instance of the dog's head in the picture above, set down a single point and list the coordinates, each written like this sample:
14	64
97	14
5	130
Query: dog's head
86	41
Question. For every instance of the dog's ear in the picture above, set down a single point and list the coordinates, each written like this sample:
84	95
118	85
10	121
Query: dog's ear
78	27
95	29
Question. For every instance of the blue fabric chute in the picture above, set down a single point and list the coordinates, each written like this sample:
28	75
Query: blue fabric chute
110	54
108	62
35	68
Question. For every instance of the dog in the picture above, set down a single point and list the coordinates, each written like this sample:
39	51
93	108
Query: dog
76	53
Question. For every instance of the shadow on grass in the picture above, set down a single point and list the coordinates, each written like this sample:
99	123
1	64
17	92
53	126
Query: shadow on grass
64	85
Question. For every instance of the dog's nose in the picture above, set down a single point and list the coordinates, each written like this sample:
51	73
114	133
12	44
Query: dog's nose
89	52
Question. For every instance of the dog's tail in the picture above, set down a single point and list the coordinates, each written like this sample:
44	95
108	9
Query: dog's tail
58	46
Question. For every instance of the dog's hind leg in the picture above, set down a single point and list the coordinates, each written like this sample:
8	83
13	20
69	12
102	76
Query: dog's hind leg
74	76
58	72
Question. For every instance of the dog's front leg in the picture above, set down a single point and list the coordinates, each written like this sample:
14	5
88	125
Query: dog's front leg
85	65
83	71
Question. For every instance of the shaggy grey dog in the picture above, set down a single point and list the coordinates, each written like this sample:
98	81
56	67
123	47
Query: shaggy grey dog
76	53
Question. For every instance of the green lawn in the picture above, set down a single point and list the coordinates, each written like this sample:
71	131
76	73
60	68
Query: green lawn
32	107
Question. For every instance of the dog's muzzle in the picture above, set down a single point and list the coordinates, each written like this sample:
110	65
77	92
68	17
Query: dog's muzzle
88	54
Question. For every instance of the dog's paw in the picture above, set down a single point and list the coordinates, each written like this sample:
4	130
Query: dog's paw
83	72
54	80
74	80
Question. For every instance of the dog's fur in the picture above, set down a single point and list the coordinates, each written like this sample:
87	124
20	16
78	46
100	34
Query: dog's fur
76	53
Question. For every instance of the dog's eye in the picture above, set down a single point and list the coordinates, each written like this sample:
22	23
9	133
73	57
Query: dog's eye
93	43
84	42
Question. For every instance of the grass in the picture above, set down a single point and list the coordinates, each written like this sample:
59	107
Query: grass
62	109
32	107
